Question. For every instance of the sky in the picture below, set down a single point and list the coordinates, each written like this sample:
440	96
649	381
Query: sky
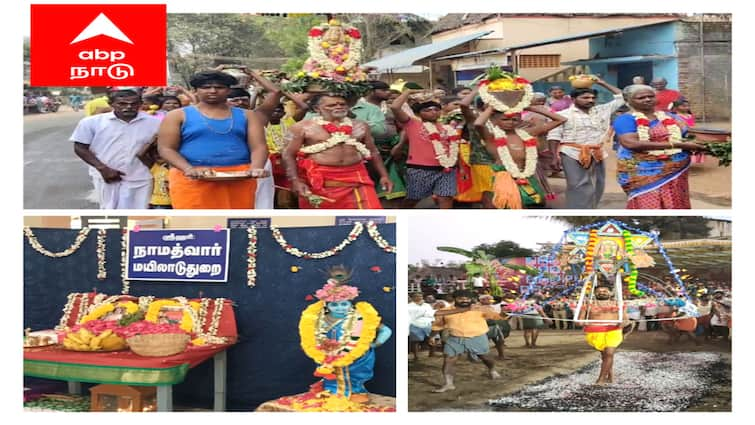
471	228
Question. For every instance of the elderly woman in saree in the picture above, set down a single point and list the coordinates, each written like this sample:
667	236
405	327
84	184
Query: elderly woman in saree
653	158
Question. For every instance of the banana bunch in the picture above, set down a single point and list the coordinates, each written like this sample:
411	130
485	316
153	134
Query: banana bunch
85	340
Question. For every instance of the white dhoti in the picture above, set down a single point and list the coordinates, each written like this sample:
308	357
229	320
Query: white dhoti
265	194
134	195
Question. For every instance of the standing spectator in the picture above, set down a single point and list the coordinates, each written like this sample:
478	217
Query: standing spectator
110	144
533	320
558	308
479	283
421	315
579	145
558	100
664	97
210	137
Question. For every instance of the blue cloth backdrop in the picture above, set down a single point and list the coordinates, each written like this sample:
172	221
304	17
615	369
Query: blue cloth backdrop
267	362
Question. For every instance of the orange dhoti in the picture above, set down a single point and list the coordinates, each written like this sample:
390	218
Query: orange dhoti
345	187
197	194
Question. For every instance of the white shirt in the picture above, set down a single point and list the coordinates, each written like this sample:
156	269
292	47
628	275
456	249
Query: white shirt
585	128
116	142
478	282
421	315
265	193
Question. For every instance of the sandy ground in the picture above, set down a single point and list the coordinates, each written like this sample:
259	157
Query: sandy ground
559	352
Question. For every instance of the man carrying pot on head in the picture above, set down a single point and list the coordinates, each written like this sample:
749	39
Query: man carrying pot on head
578	145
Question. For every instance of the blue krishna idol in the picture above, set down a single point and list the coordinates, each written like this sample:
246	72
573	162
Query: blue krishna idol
341	337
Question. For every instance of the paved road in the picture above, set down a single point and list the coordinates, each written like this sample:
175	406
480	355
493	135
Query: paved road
54	177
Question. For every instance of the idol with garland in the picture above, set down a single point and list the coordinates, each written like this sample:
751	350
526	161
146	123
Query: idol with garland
340	336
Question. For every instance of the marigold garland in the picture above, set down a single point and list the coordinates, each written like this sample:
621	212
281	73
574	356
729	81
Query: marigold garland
590	254
309	328
338	134
251	257
530	153
34	242
101	249
353	235
445	143
374	233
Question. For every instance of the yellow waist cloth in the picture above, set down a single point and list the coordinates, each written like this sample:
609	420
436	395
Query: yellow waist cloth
601	340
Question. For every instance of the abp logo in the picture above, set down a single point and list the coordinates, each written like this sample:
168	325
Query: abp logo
98	45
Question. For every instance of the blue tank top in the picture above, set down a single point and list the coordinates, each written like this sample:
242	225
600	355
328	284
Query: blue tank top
212	142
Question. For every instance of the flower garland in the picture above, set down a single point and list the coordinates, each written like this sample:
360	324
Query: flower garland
189	322
276	133
355	232
643	131
446	157
204	305
633	272
336	59
330	354
144	302
485	93
590	253
530	153
80	238
124	254
209	337
67	309
84	305
215	322
101	248
251	257
374	233
338	134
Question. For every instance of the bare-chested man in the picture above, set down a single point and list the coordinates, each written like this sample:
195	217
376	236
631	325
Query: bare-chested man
503	135
607	336
324	156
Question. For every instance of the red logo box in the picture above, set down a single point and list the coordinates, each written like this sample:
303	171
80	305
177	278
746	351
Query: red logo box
98	45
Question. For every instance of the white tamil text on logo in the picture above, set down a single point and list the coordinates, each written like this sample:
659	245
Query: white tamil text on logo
102	25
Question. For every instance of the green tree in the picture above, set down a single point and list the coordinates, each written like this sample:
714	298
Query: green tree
482	262
380	30
203	40
290	36
505	249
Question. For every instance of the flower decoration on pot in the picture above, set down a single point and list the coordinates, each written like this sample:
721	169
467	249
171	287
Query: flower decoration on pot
505	91
335	50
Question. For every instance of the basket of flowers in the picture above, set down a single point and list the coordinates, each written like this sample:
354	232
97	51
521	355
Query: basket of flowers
505	91
155	340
